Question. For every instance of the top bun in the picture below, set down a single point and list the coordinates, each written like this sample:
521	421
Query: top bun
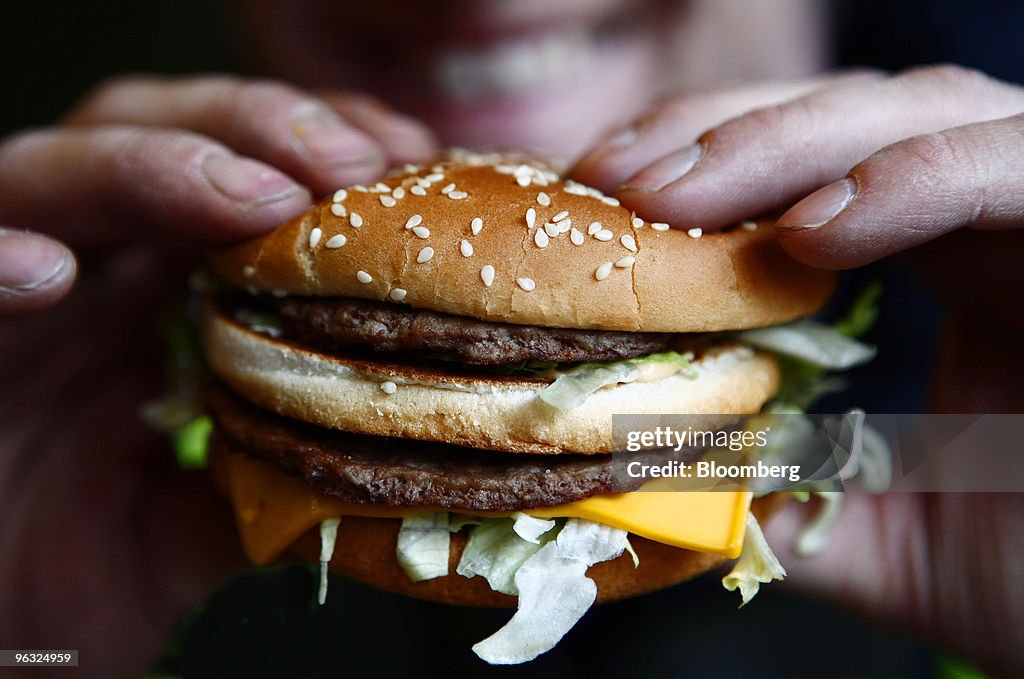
509	241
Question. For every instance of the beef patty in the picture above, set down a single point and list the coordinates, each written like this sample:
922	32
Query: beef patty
405	473
333	324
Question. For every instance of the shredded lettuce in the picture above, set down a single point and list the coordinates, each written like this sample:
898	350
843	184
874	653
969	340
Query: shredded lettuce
573	386
862	314
813	342
814	537
191	442
496	551
328	535
530	528
757	564
554	592
423	544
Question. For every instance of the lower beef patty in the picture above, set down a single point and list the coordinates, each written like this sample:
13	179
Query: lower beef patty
333	324
404	473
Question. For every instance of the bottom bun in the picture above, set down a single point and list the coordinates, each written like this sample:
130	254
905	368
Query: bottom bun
365	552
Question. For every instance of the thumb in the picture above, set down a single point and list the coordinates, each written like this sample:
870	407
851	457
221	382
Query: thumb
36	271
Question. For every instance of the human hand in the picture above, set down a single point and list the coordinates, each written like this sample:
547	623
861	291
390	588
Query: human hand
869	166
104	543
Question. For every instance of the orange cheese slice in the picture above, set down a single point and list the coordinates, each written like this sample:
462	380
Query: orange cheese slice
274	509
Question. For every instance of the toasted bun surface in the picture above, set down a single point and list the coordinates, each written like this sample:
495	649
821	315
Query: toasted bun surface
365	551
495	413
720	281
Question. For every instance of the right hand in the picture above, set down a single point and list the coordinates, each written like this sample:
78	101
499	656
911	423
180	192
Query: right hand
103	539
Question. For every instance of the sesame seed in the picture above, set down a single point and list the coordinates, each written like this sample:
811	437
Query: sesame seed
421	232
426	254
487	275
355	220
544	199
418	191
551	229
628	242
637	222
338	210
604	235
594	228
458	195
363	277
563	225
398	193
540	238
415	220
576	237
335	241
409	168
360	188
466	248
476	225
575	188
695	232
603	271
381	187
448	189
659	226
388	387
531	217
523	180
340	195
278	292
560	216
526	284
608	200
435	177
314	236
387	201
397	294
749	226
248	271
625	262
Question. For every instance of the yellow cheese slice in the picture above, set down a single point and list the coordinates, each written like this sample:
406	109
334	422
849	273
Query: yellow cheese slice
274	509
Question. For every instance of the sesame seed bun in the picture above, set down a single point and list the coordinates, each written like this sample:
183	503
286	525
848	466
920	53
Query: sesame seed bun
365	551
457	238
486	412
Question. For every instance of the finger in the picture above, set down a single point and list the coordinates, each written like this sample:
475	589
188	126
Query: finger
404	139
771	157
100	186
269	121
912	192
35	272
680	120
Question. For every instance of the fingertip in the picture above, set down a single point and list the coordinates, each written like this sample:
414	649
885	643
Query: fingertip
36	271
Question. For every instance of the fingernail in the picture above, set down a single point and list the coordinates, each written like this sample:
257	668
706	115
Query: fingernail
326	140
820	207
247	181
666	170
626	137
28	261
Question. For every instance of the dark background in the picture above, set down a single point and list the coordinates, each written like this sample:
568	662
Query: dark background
264	625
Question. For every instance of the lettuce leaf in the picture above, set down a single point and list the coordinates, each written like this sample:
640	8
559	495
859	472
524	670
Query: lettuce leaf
573	386
328	535
191	442
423	544
554	592
816	343
496	552
757	564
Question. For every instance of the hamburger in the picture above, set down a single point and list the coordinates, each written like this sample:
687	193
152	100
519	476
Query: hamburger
416	382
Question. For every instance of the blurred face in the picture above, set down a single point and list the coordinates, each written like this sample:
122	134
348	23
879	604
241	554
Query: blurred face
541	75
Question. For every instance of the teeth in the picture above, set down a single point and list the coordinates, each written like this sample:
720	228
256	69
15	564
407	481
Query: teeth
513	66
